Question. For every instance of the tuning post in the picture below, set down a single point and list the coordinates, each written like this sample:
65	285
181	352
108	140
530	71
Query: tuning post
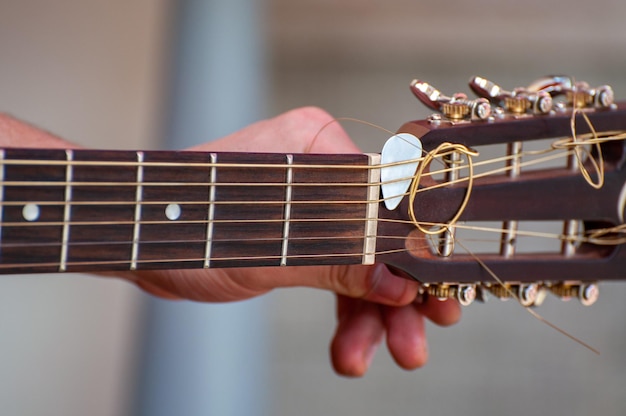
519	101
455	108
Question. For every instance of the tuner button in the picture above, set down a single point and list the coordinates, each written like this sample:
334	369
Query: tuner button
481	109
528	293
466	294
543	103
604	96
588	293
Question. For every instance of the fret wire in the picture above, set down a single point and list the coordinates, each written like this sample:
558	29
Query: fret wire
137	222
287	212
66	211
211	213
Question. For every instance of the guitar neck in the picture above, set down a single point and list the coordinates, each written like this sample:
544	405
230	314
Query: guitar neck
85	210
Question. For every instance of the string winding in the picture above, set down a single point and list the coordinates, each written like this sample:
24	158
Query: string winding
442	150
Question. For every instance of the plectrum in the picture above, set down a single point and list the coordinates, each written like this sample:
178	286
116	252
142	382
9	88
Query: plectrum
396	178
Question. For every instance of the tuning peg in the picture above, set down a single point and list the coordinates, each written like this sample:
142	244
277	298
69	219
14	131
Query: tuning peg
518	101
457	107
578	94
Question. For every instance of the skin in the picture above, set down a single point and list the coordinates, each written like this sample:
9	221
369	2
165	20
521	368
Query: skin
372	302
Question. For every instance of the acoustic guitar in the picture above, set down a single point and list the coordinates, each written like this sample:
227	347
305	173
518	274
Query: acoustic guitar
460	201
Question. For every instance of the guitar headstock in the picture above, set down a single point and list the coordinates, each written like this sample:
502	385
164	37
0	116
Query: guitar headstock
519	192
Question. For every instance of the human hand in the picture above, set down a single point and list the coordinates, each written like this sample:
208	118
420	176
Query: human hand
371	301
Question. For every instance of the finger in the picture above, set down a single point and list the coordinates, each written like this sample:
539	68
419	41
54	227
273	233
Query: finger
442	312
16	133
359	333
303	130
406	338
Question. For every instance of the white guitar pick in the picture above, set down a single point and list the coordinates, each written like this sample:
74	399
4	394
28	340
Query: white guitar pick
396	179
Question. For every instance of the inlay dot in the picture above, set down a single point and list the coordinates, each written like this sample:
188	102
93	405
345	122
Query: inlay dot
30	212
173	211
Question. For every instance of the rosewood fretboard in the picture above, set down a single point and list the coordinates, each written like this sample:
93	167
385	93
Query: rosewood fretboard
84	210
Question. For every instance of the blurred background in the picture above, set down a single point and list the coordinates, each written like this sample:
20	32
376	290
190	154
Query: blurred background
167	74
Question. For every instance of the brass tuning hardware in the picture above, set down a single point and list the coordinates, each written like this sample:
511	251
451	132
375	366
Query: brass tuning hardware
527	294
578	94
518	101
538	98
462	292
457	107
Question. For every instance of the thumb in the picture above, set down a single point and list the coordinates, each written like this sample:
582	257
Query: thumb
373	283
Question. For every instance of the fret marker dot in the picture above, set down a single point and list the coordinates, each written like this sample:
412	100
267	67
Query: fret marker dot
172	212
30	212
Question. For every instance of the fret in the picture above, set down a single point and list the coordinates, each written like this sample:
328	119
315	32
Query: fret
211	214
371	211
31	245
287	214
106	200
315	242
167	240
66	211
233	236
138	200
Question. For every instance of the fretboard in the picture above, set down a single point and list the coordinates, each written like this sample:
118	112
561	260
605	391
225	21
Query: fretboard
85	210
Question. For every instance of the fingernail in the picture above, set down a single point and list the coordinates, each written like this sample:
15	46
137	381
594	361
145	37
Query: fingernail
388	288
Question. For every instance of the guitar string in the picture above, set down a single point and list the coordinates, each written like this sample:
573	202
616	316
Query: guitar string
427	244
528	309
253	184
339	202
440	153
599	168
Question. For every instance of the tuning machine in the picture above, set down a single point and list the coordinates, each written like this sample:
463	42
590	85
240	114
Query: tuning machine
527	294
518	101
455	108
578	94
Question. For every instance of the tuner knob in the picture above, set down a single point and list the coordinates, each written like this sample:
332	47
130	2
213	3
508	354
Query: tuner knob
588	293
457	107
466	294
528	294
